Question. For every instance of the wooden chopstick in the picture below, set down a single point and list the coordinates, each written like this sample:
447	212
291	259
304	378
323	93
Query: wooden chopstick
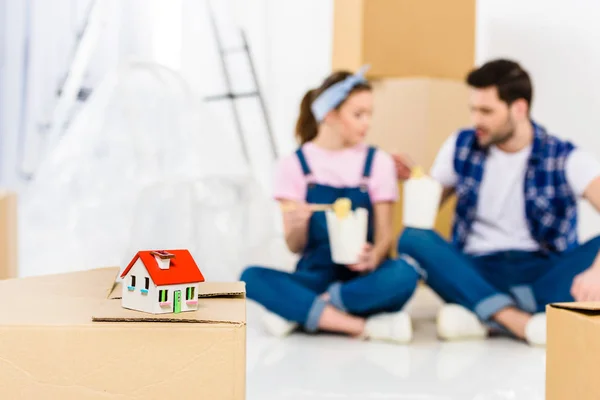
313	207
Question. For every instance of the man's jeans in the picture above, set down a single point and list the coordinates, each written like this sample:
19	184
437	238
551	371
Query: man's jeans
487	284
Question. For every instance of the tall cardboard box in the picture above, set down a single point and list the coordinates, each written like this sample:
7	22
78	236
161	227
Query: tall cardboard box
66	336
415	116
572	351
405	38
8	235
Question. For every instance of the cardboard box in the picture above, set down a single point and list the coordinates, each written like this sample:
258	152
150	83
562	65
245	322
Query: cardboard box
405	38
572	351
415	116
8	235
66	336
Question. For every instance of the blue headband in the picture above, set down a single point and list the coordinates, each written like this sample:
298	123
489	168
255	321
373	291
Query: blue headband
333	96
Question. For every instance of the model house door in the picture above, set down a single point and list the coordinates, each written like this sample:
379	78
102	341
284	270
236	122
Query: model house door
177	302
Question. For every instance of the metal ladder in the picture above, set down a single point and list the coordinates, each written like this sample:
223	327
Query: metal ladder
230	96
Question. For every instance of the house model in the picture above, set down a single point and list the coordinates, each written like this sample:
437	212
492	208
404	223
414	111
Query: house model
161	281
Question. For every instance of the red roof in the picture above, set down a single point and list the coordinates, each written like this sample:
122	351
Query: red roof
182	270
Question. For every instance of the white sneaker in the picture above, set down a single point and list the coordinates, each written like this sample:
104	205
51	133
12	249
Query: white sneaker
455	322
391	327
276	325
535	331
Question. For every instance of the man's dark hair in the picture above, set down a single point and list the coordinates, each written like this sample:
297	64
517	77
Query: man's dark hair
507	76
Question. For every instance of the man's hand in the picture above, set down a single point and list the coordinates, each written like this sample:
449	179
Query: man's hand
586	285
367	260
403	166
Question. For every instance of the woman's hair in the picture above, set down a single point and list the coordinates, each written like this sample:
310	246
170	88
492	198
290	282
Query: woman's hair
307	125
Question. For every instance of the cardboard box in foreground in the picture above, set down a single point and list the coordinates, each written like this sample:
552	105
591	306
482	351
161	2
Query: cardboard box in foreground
572	351
66	336
8	235
415	116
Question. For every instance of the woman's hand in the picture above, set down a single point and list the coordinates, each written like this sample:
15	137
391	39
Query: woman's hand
296	216
586	285
295	222
367	260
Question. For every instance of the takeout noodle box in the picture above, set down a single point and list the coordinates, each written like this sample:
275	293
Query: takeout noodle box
347	236
421	202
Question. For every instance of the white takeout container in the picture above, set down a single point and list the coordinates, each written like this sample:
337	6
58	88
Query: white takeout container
421	200
347	236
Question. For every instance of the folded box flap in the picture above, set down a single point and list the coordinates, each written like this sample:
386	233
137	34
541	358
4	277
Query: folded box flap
205	289
57	299
213	310
588	307
222	289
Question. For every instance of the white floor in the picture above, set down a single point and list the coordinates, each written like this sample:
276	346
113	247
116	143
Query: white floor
332	367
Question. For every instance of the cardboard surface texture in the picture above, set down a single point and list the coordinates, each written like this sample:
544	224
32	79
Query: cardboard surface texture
405	38
67	337
572	351
415	116
8	235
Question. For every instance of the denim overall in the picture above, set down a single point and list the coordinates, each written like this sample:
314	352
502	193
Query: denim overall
295	296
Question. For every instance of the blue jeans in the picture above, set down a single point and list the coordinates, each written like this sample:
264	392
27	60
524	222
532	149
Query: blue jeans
295	296
487	284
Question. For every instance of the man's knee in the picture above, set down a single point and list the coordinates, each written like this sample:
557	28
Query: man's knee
418	241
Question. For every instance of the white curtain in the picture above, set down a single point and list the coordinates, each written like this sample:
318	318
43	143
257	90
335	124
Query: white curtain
71	206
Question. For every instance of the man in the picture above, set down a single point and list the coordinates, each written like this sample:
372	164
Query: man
514	244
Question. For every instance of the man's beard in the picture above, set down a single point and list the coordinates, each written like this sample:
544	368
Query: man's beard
502	136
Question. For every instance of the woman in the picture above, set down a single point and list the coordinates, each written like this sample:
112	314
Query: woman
362	300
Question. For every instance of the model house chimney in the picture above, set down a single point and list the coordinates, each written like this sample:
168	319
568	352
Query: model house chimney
163	258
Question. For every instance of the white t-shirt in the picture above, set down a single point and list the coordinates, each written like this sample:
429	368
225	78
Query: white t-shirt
500	223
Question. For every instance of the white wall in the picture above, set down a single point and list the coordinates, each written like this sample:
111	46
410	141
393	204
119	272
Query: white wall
557	42
299	57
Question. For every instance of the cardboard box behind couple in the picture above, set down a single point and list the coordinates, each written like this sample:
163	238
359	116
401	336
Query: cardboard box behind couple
415	116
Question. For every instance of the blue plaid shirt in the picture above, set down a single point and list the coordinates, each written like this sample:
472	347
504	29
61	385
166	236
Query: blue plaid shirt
550	203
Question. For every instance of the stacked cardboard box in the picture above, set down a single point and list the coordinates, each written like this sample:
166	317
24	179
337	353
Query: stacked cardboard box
66	336
419	52
572	351
415	116
8	235
405	38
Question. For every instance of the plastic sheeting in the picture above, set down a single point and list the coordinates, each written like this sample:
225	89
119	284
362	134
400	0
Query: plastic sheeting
143	166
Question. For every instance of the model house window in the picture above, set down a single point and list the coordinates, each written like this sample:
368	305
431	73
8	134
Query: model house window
163	295
144	291
189	294
131	286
